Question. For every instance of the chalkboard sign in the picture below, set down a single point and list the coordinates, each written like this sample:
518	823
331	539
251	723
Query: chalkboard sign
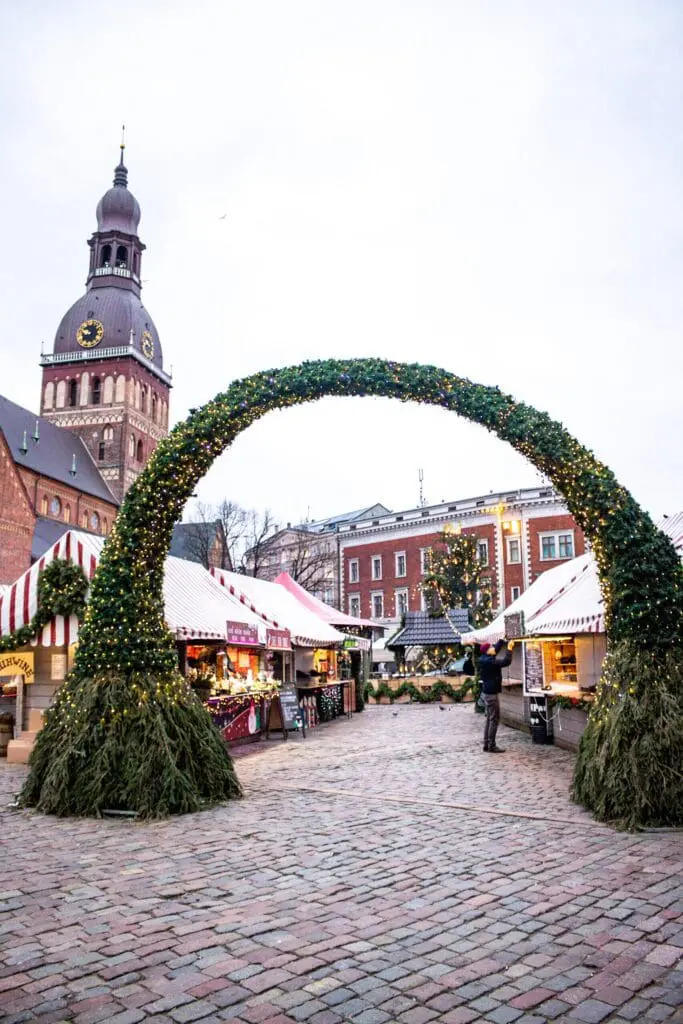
533	668
284	713
289	705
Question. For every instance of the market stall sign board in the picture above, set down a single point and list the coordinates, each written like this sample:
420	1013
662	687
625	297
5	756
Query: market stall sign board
241	634
278	640
17	664
514	626
286	708
356	643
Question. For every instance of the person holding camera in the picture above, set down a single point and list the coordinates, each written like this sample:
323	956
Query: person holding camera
492	659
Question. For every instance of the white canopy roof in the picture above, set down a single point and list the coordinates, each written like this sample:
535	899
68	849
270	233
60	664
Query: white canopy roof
541	592
276	606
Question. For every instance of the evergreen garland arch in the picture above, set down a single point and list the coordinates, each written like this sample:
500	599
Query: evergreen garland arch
629	763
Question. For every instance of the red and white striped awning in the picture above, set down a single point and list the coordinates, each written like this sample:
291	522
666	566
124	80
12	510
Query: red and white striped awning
575	608
195	606
19	602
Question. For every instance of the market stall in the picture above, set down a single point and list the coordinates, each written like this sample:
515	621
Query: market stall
317	646
224	650
557	659
354	660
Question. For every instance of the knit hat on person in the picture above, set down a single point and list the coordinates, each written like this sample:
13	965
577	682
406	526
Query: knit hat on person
485	648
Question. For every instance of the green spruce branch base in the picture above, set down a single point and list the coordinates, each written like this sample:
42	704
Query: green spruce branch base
133	743
629	769
124	630
428	695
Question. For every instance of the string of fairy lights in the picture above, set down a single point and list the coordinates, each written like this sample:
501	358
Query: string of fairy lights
124	629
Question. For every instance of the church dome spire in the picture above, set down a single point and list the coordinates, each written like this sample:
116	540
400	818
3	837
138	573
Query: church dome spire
118	209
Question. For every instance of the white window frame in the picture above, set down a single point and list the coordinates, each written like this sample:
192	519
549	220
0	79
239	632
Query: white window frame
397	593
373	559
351	598
374	594
483	542
515	592
424	555
510	541
354	570
555	534
397	555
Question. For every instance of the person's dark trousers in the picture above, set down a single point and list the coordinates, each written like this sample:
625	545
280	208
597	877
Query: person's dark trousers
492	708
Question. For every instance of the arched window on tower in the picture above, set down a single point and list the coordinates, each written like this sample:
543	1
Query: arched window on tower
140	452
105	256
143	398
121	256
67	513
136	262
131	446
49	395
96	390
44	505
154	408
73	391
100	451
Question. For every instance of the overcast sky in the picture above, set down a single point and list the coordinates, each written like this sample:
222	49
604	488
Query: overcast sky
492	187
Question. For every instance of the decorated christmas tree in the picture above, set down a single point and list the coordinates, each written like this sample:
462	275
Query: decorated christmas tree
456	577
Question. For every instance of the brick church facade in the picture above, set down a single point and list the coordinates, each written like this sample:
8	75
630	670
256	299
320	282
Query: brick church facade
103	403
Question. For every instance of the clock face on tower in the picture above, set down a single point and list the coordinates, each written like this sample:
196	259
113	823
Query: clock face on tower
147	344
90	333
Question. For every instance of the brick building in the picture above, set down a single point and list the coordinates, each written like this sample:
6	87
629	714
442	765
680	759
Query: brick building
48	483
520	533
104	401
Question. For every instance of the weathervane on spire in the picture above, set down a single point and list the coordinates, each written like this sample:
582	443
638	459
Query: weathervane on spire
120	172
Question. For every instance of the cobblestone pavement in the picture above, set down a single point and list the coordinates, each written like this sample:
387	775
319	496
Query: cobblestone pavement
384	869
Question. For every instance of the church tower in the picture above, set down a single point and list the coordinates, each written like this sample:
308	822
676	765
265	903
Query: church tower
105	380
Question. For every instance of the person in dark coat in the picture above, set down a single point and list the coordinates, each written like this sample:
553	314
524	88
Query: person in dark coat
491	661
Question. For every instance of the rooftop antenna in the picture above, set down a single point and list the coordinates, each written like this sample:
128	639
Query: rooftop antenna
421	476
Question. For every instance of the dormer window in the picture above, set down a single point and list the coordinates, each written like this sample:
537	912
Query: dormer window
105	256
121	256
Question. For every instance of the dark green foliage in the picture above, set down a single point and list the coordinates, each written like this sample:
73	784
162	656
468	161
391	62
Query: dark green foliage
62	587
630	764
132	743
428	695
